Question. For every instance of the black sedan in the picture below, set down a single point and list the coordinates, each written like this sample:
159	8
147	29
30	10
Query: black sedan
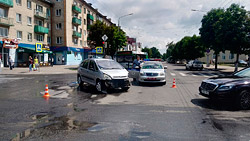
235	88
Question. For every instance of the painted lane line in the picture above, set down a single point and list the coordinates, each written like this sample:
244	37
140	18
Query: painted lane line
203	75
182	74
172	74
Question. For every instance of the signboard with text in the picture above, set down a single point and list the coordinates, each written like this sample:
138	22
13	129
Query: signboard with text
39	47
10	43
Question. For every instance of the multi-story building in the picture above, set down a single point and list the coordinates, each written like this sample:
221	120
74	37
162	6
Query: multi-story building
27	22
71	23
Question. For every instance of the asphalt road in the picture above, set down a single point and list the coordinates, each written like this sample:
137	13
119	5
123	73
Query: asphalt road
150	112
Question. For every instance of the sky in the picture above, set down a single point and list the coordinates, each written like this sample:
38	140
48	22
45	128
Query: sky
155	23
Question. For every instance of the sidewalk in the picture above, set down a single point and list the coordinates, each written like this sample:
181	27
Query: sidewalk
223	68
56	69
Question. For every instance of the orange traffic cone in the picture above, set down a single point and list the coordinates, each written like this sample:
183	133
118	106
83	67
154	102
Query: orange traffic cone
46	94
174	85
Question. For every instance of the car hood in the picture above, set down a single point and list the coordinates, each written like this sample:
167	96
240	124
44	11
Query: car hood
227	79
116	73
152	70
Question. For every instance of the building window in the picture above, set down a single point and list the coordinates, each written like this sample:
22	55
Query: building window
85	33
58	12
19	34
48	12
81	42
59	26
84	10
19	2
30	37
3	32
75	40
48	26
39	8
39	37
75	28
84	43
58	0
18	18
231	56
75	3
223	56
88	12
58	40
39	22
3	13
84	21
48	40
29	20
29	4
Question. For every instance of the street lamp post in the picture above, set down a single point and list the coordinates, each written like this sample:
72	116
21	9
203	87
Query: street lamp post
120	19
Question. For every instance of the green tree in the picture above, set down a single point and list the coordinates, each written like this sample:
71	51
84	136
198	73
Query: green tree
155	53
170	46
237	31
116	38
148	50
210	31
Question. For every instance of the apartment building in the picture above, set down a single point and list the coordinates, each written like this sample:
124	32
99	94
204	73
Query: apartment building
26	23
71	23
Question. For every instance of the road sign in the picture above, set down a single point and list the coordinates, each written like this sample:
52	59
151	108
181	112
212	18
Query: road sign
104	37
99	50
39	47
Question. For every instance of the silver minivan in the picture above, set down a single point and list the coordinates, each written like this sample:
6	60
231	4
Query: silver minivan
104	74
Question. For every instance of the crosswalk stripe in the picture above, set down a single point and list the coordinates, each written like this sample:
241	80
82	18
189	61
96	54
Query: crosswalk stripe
172	74
203	75
194	75
182	74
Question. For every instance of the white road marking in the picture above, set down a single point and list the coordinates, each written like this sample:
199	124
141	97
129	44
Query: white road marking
182	74
203	75
173	74
194	75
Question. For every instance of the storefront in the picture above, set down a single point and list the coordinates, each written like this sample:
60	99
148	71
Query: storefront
26	50
68	55
8	49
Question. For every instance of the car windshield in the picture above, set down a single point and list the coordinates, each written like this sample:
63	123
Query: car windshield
152	66
108	64
243	73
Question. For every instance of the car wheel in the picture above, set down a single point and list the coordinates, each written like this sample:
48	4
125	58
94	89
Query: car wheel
163	83
244	100
98	86
79	80
186	68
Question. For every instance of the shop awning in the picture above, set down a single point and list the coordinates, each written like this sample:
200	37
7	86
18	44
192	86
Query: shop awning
28	48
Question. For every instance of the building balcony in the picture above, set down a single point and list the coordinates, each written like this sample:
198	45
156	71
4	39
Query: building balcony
77	34
7	3
91	17
6	21
76	9
40	14
76	21
41	29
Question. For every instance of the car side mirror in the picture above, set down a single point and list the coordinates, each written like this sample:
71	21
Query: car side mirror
165	67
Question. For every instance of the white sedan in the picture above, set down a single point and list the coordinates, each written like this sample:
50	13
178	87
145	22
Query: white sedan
152	72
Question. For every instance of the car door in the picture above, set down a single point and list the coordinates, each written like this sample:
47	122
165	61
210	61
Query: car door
93	72
84	71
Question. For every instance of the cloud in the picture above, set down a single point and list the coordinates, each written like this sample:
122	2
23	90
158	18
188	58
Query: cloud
158	22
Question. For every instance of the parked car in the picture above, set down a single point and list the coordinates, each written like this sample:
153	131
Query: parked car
235	88
104	74
194	64
152	72
242	62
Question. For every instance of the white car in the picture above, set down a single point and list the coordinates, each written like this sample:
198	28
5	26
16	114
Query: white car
104	74
152	72
194	64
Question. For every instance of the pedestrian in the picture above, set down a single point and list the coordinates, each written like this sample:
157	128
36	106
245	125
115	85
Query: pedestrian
30	63
11	63
52	61
136	63
36	63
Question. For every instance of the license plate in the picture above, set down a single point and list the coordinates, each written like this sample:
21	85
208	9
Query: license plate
205	92
151	78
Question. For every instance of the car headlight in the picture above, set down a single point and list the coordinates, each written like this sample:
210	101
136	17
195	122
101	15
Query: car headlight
225	87
162	74
107	77
142	74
